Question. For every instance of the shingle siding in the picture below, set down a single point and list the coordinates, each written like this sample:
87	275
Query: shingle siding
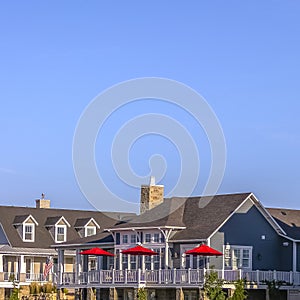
217	242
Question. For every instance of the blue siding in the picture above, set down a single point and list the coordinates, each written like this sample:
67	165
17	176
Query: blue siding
298	257
246	227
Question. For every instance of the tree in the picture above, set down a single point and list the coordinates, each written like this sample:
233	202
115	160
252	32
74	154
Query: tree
239	293
142	294
15	292
213	286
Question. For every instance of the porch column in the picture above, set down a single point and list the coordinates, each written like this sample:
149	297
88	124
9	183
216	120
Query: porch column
60	265
77	265
166	254
179	294
166	233
294	257
22	268
1	270
1	263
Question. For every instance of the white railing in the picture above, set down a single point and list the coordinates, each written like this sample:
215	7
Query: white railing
34	277
176	277
11	276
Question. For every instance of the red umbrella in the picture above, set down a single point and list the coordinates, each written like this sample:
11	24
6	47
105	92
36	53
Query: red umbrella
204	250
139	250
96	251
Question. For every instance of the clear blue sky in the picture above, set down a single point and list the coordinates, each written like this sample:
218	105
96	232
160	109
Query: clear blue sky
243	57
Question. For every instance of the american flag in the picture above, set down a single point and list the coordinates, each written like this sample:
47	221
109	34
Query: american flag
48	266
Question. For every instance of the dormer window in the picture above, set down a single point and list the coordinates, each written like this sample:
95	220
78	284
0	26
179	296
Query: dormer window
90	230
60	233
57	227
86	226
25	226
28	232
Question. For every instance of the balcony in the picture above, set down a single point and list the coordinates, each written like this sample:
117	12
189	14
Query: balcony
169	278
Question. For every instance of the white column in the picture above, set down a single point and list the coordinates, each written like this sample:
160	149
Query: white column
166	253
22	264
294	257
1	263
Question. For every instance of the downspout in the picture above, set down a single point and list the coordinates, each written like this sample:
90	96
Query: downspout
294	256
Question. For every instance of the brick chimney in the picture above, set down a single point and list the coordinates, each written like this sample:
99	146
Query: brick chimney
151	195
42	203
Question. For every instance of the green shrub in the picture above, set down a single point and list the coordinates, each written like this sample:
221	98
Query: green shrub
239	293
142	294
213	286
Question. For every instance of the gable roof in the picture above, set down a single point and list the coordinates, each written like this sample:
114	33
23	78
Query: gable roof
82	222
49	216
288	219
52	221
21	219
199	217
204	215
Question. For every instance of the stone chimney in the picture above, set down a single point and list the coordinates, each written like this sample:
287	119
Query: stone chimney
151	195
42	203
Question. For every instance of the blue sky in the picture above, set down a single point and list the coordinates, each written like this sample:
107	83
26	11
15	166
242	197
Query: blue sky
243	57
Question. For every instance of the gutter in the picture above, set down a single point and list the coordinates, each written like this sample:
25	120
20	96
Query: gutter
86	245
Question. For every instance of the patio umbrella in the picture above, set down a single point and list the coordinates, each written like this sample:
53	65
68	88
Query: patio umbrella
96	251
204	250
139	250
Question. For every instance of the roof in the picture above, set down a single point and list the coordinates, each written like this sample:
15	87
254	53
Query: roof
288	220
47	217
201	216
20	219
82	222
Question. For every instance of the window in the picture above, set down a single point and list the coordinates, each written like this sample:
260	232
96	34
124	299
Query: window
148	237
124	262
125	239
133	262
148	262
117	238
28	234
90	230
156	237
238	257
92	264
156	259
117	259
60	233
133	238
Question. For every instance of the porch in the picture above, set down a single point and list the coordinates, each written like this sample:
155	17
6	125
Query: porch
171	278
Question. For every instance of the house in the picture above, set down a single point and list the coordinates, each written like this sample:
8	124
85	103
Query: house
29	236
258	244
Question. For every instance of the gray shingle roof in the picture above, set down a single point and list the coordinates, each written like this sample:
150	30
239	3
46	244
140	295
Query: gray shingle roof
20	219
81	222
288	219
200	215
49	216
51	221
